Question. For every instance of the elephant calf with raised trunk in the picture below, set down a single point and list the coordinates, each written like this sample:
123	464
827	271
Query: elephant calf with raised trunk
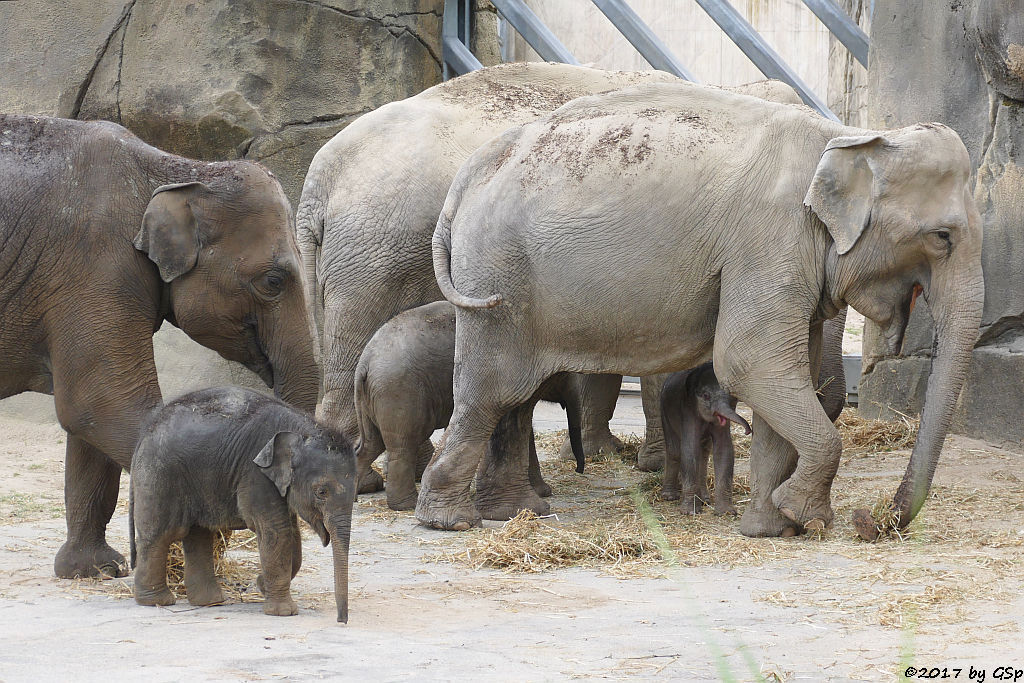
102	238
231	458
695	413
642	230
403	392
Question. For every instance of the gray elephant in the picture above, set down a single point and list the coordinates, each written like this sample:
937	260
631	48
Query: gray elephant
403	392
232	458
641	230
695	414
102	238
372	196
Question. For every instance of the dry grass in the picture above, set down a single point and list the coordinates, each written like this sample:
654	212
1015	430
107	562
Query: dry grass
979	531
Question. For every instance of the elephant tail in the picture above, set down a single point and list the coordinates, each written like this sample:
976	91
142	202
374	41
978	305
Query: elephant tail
371	443
309	234
131	522
442	247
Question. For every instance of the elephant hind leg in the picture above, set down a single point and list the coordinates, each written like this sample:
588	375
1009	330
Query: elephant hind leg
200	581
151	571
504	485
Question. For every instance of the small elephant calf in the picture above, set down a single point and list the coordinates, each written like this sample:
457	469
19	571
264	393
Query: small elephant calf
403	392
232	458
695	414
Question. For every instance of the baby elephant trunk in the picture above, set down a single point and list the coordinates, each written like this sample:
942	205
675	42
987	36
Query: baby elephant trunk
341	530
726	412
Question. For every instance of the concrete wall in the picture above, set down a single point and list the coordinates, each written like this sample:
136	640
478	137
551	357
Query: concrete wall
961	63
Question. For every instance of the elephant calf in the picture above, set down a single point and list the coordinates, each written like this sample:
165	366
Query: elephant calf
403	392
695	415
233	459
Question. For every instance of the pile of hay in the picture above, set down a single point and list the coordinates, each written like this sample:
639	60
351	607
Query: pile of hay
529	544
872	436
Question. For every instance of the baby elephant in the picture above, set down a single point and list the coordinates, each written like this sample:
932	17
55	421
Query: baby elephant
232	458
403	392
695	414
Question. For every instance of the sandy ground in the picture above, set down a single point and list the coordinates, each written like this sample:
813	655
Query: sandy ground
730	609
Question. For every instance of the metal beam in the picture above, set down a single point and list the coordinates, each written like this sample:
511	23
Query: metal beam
842	27
760	52
642	38
457	57
533	31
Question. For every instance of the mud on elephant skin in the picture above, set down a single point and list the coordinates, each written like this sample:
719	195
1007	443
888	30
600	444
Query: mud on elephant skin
695	412
542	253
232	458
102	238
403	392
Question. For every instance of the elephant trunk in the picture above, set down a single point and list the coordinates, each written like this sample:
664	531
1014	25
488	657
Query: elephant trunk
957	319
730	414
292	354
341	531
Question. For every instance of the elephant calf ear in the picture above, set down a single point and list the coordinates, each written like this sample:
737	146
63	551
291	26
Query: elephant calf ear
841	190
275	459
170	232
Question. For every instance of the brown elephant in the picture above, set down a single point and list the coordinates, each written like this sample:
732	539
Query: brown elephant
102	238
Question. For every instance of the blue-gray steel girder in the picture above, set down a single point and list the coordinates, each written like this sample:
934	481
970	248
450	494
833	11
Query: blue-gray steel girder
533	31
842	27
642	38
766	59
457	57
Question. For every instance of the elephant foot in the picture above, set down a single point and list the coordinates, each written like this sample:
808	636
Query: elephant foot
102	561
506	504
433	512
650	459
805	505
725	509
768	523
691	503
542	489
281	608
592	445
401	500
669	493
371	482
205	594
161	597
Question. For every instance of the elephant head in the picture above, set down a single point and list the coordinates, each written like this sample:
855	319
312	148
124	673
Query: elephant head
317	476
226	252
715	404
900	211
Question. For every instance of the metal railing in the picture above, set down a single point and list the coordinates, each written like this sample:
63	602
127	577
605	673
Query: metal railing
459	60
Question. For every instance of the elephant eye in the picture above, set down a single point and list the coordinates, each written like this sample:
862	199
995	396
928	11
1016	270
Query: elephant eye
943	240
270	284
320	491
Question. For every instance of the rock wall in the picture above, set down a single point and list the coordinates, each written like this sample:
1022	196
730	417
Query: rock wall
961	63
270	80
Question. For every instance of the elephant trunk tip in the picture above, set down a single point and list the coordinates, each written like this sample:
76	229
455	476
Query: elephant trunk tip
865	524
343	613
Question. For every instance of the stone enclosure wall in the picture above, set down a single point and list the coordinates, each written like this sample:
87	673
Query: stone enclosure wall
269	80
960	63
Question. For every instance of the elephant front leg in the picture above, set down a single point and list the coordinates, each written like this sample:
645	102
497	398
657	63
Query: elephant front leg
277	546
652	454
503	484
200	581
90	493
725	457
772	460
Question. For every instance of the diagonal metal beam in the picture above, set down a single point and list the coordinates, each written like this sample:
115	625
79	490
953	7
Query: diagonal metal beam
760	52
642	38
533	31
842	27
457	57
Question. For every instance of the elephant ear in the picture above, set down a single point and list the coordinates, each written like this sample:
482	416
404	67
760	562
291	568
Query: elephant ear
170	231
841	191
275	459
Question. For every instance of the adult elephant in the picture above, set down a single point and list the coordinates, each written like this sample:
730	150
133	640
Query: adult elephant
373	193
638	231
102	238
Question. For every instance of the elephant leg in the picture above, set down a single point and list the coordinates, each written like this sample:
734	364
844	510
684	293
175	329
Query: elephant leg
504	486
652	454
200	581
536	479
702	473
150	584
403	450
725	458
598	395
296	546
483	395
370	480
276	545
90	493
772	460
423	457
832	377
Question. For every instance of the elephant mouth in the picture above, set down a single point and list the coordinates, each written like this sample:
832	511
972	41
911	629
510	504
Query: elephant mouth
896	330
257	359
